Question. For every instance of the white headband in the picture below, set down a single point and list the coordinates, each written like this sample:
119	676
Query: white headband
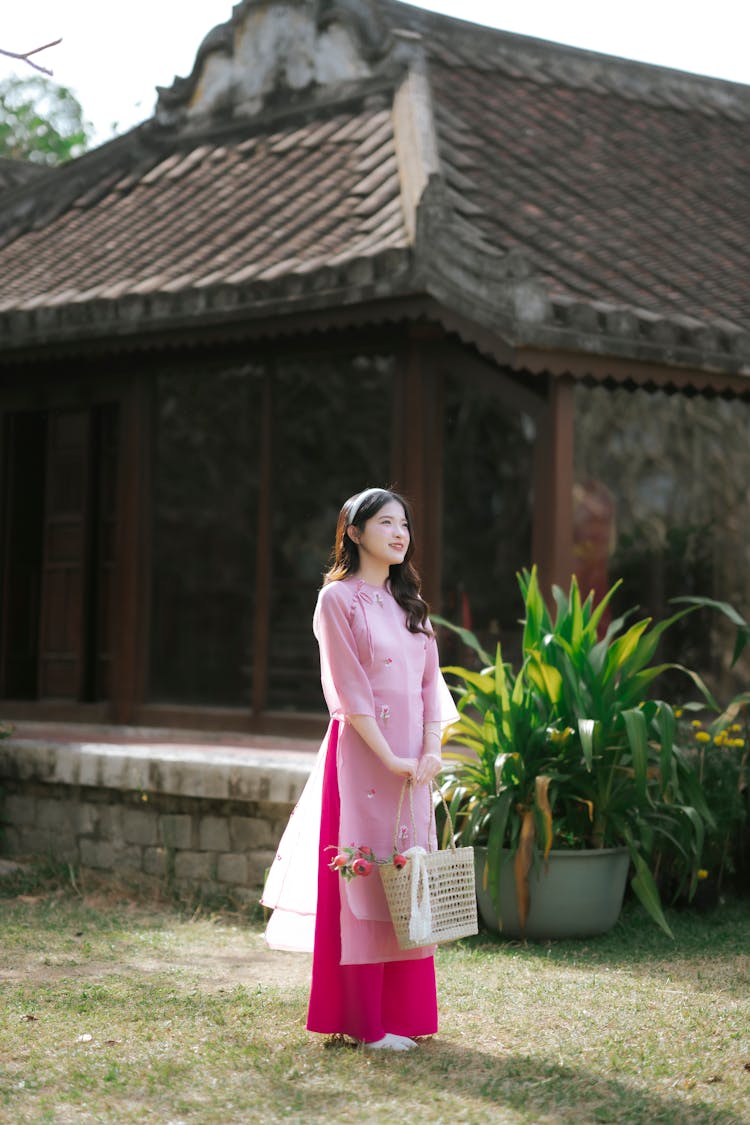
361	499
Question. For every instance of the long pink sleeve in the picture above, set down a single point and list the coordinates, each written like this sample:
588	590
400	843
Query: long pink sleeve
343	653
437	700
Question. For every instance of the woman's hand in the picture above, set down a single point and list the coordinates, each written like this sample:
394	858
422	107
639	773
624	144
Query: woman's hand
428	767
368	730
404	767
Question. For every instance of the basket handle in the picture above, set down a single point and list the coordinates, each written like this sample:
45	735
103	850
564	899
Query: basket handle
433	788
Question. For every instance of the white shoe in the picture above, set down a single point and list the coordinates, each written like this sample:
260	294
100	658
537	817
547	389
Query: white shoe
391	1043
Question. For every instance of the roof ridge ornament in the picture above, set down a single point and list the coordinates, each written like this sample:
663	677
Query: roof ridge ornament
273	49
415	137
364	21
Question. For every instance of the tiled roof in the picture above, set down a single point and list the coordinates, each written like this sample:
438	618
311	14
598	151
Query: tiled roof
618	182
560	199
283	202
608	199
623	189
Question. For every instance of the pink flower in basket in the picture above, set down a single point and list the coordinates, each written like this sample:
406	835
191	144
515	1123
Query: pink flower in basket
352	861
399	860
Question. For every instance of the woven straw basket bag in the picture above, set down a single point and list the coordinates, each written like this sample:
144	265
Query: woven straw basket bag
432	899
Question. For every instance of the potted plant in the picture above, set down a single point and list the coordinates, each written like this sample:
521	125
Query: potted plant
570	754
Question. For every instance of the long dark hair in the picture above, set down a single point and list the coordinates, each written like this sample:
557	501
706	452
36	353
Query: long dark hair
403	577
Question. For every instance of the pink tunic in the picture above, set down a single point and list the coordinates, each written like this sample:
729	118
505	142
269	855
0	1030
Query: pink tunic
370	665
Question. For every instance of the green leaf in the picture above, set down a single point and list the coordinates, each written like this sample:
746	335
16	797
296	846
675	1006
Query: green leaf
600	650
535	612
576	624
634	690
455	808
482	681
561	601
586	730
724	607
637	734
645	888
729	714
699	683
667	726
465	635
623	648
475	824
649	644
495	840
499	770
517	695
501	689
699	832
544	677
693	792
593	622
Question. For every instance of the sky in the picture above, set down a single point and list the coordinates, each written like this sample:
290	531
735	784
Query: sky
114	55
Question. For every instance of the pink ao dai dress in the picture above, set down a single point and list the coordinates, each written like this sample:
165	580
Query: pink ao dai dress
370	665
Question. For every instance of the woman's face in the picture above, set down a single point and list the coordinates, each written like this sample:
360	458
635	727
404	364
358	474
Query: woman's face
385	536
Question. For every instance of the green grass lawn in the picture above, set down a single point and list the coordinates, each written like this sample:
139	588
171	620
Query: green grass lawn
120	1009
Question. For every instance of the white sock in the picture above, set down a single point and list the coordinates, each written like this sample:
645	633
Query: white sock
409	1043
391	1043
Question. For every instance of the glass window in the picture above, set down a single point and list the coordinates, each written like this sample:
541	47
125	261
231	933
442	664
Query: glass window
331	438
487	516
206	468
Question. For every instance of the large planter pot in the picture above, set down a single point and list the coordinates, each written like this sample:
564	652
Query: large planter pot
577	893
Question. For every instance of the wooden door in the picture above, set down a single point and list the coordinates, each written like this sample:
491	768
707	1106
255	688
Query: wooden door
57	553
23	509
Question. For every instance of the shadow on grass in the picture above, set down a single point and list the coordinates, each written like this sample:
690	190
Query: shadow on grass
448	1082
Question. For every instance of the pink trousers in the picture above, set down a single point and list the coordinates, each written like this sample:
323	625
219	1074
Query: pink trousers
363	1001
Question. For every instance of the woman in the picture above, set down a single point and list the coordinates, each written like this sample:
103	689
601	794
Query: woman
388	704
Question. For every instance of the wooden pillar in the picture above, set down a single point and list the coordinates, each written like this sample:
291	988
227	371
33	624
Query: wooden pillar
552	532
129	609
417	453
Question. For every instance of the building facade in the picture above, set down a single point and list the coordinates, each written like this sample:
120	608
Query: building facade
361	244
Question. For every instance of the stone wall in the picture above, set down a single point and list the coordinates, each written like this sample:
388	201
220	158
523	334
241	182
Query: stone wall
206	821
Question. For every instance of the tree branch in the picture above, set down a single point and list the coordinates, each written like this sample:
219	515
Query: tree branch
26	56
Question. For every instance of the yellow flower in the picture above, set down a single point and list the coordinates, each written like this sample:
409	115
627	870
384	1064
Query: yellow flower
678	713
702	873
736	728
702	736
696	723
